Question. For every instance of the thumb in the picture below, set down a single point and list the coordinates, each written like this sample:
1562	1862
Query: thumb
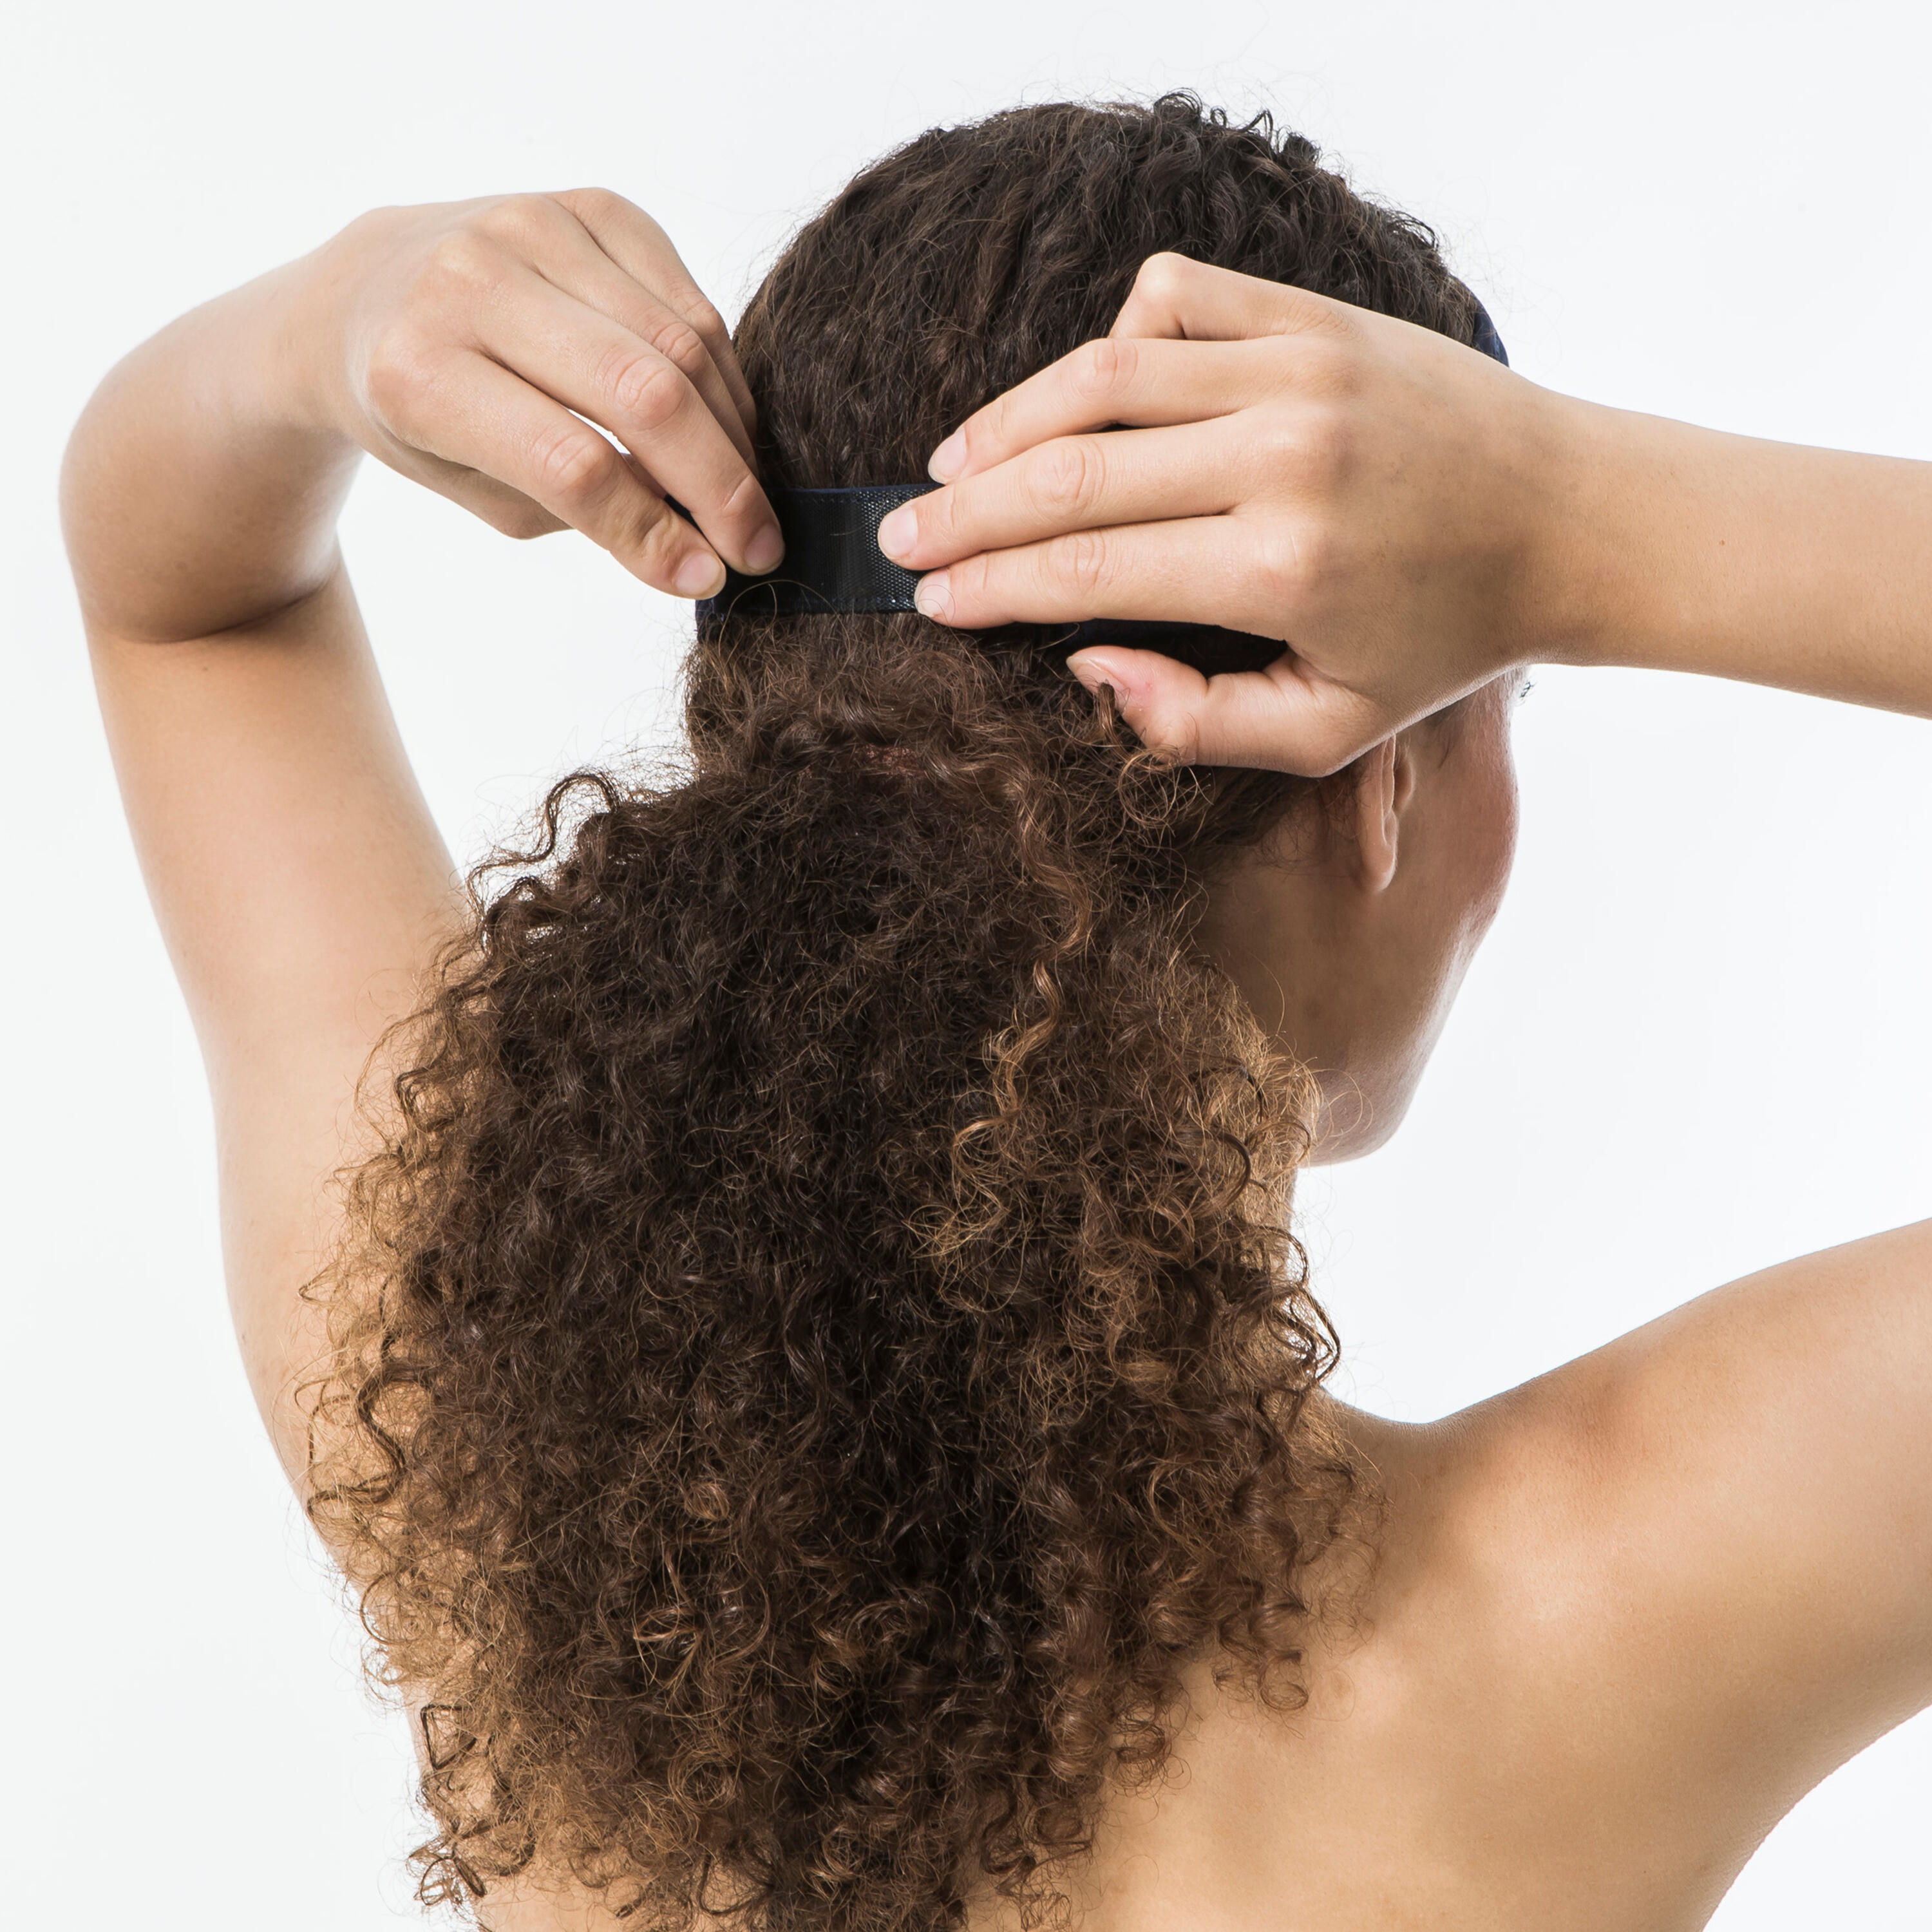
1274	719
1158	696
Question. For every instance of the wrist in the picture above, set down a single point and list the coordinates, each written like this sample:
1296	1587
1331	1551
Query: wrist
1588	565
1649	540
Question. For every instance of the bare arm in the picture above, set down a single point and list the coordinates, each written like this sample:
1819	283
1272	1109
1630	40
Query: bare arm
1705	1551
299	881
1410	518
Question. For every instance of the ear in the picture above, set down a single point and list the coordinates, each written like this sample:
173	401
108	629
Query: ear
1384	783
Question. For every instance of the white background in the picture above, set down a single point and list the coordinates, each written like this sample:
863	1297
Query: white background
1697	1041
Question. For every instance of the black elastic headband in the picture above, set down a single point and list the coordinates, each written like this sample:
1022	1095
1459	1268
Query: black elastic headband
833	562
1487	340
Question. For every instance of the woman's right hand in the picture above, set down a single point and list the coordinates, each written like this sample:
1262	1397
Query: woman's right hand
464	344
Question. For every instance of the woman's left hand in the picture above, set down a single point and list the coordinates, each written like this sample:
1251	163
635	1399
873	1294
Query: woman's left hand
1390	504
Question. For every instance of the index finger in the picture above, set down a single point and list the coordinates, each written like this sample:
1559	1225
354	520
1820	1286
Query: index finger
646	253
1112	382
580	265
599	370
1178	311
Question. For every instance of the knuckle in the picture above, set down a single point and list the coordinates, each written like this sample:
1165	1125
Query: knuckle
523	520
574	465
1286	559
592	202
648	389
1101	368
1080	564
397	377
1066	479
988	429
945	520
936	517
1164	276
517	217
1324	443
463	258
982	435
703	316
655	534
972	584
741	501
680	345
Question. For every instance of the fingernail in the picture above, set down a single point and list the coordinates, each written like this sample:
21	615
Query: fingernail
699	575
949	459
899	533
1092	671
934	597
762	553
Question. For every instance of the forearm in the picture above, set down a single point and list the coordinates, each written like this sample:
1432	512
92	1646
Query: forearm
202	483
1689	550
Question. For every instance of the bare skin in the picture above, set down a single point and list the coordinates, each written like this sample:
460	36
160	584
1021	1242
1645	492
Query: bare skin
1621	1618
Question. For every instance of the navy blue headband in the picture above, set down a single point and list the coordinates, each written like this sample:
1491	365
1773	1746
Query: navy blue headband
833	562
1487	340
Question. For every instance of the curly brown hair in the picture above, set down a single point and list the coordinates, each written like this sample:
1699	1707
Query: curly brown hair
821	1347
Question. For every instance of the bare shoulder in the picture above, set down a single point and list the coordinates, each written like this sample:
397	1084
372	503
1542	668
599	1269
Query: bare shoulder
1690	1573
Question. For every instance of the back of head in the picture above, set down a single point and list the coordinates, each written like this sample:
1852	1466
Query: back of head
954	268
823	1349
